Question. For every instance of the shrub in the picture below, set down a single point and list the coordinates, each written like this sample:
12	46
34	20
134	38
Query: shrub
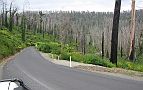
55	48
51	47
97	60
103	62
139	59
64	55
9	44
125	64
68	48
44	47
138	67
77	56
130	65
89	58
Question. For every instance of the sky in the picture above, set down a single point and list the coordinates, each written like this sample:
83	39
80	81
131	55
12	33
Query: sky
76	5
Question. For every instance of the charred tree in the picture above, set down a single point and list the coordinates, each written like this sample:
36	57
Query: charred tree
132	53
41	20
6	21
103	44
17	19
114	40
11	21
23	27
3	11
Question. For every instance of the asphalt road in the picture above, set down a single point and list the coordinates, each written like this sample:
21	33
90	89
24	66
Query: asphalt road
40	74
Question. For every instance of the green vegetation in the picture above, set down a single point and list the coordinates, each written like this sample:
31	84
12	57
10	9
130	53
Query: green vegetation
126	64
9	43
66	51
75	34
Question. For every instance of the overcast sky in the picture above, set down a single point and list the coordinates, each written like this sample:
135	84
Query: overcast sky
76	5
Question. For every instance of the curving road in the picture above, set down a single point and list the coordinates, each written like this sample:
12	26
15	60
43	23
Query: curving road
40	74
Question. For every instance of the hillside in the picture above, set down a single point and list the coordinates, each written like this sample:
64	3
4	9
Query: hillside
9	43
82	35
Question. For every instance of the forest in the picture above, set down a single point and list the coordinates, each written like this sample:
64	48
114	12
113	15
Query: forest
84	35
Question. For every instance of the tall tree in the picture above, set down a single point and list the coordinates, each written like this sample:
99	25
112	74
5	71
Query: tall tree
121	47
114	40
6	12
3	11
141	43
132	37
83	40
23	27
103	44
41	14
11	20
17	19
6	20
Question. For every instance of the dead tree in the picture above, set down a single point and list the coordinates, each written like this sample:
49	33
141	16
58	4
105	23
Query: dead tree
17	19
103	44
5	15
41	14
6	20
141	43
132	37
3	11
114	40
11	21
23	27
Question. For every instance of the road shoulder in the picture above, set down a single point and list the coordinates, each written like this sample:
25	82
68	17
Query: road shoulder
117	72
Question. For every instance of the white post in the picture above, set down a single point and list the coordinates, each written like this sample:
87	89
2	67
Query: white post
58	58
70	62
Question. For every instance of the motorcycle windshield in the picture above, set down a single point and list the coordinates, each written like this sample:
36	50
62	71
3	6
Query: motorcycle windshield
8	85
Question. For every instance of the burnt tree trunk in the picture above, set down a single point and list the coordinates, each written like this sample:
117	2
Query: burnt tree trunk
114	40
17	19
11	20
3	10
132	54
6	23
121	51
103	45
23	27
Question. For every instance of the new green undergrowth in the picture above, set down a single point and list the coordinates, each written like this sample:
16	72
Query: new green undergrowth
126	64
65	51
9	43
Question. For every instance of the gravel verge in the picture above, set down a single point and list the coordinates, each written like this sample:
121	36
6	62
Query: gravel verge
118	72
